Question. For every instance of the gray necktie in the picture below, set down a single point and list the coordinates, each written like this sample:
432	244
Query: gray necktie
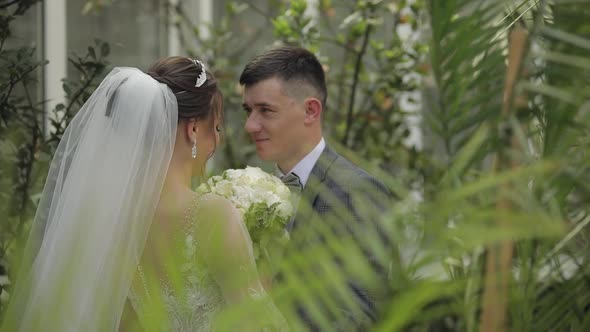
294	184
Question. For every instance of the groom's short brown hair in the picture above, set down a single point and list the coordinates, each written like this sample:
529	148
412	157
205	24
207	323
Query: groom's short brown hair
290	64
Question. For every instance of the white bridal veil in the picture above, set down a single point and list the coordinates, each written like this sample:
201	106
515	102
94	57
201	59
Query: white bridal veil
98	203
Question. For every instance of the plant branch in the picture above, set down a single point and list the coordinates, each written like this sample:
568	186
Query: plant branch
326	20
27	182
2	44
357	72
15	81
35	126
8	4
337	43
341	82
499	257
81	91
368	110
12	84
36	132
438	73
266	15
240	50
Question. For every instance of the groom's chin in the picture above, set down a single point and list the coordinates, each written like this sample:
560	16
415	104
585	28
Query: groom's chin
264	154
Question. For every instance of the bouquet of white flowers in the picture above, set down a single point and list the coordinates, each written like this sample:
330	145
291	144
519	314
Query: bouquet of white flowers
262	200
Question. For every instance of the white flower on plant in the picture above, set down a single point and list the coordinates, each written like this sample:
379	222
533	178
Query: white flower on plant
4	295
4	281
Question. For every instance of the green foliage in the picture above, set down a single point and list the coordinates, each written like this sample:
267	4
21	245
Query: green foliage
29	135
263	222
226	52
89	69
366	112
469	123
19	66
96	5
295	27
443	235
498	164
449	78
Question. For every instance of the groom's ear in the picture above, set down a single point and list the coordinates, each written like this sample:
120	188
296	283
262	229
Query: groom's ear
313	110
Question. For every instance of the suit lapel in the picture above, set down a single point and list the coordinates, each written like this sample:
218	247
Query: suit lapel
317	177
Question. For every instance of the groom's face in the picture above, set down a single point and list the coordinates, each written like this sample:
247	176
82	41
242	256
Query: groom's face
275	121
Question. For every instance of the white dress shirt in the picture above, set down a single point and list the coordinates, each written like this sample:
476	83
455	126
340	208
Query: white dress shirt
305	165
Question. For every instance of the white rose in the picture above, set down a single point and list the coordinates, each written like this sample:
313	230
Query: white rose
223	188
271	198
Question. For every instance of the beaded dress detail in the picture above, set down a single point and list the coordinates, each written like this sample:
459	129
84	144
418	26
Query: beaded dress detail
193	301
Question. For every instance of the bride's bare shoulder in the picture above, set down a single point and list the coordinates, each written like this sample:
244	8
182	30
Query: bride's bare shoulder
210	202
211	209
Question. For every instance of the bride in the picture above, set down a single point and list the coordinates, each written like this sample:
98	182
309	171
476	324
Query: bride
119	240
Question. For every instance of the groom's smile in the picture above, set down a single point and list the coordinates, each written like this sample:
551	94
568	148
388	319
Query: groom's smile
275	120
261	141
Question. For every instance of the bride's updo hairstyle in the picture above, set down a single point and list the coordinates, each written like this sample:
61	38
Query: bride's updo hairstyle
182	75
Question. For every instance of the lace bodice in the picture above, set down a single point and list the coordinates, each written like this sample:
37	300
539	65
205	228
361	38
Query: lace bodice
191	301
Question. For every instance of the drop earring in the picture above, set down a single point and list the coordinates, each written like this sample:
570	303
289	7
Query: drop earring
194	150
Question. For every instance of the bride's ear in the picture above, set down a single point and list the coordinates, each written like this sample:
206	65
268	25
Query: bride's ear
191	131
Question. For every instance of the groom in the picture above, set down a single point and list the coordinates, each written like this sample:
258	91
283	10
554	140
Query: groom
285	98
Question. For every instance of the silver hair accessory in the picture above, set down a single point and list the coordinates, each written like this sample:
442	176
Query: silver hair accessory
203	76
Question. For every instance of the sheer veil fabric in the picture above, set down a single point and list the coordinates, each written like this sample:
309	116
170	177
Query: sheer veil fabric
97	205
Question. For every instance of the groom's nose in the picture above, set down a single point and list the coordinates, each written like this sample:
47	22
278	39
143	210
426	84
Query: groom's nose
252	124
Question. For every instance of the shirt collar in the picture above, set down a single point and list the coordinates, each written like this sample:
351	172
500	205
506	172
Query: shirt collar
305	166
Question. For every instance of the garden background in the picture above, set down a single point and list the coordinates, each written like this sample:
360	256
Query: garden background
475	113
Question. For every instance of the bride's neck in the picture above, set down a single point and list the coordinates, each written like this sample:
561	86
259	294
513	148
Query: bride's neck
177	184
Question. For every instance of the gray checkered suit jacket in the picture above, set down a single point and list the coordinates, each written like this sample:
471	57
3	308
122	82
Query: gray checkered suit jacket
340	200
